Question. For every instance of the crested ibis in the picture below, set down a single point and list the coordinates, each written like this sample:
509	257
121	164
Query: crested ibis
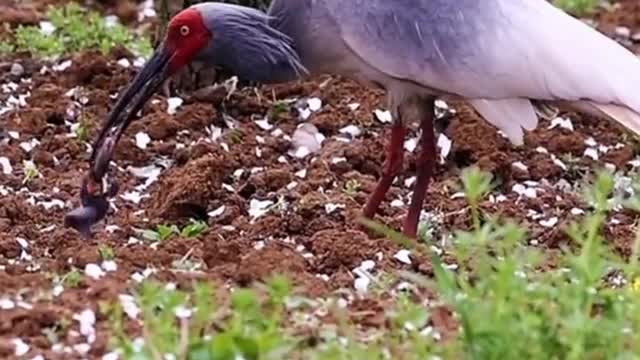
501	56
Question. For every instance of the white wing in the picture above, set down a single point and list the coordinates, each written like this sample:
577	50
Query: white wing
496	53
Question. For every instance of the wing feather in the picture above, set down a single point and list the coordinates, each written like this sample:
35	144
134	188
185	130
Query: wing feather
490	50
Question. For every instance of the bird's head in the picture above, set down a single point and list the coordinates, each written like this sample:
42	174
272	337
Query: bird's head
187	34
235	37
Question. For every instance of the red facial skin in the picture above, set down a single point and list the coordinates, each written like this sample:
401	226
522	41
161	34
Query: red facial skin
186	35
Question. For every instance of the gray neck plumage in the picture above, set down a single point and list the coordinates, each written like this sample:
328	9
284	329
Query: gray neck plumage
245	44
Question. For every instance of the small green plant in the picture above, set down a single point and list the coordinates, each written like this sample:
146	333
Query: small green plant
161	232
508	307
6	47
30	172
30	38
72	279
578	7
599	193
192	325
476	184
106	252
76	29
507	300
408	314
236	136
164	232
57	331
352	187
83	128
429	225
194	229
278	108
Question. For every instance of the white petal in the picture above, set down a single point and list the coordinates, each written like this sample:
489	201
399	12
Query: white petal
384	116
93	271
403	256
444	144
258	208
21	347
173	104
142	140
361	284
7	169
217	212
314	104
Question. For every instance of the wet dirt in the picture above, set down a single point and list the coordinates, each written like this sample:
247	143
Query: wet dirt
217	174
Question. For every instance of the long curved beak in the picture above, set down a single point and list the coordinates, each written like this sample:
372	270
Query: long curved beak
144	85
94	191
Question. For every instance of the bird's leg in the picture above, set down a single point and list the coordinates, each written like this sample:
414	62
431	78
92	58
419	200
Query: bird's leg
425	164
392	167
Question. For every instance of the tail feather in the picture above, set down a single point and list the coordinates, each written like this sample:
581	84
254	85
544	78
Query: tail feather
513	115
508	115
625	116
621	114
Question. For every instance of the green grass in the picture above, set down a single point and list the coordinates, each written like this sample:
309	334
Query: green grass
506	306
72	279
164	232
75	29
351	187
204	330
106	252
236	136
6	47
278	108
578	7
30	171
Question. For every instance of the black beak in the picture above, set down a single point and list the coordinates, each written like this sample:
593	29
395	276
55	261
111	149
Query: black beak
93	194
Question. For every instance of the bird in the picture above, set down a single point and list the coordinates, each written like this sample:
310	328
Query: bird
505	58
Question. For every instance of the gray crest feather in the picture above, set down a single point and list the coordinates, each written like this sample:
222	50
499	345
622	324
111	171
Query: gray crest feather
245	43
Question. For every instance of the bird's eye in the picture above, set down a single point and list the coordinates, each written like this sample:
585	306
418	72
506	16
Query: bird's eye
184	30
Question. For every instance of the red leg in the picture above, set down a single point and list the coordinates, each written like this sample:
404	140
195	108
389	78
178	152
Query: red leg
392	167
425	164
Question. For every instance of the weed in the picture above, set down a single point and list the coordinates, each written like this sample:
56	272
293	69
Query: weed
163	232
106	252
352	187
505	305
477	185
278	108
55	333
6	47
83	127
236	136
72	279
578	7
194	229
194	326
30	172
77	29
430	224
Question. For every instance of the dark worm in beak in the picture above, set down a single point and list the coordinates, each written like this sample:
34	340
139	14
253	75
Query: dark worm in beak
93	193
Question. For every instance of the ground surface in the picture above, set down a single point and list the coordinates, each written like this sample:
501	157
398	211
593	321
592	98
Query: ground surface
310	232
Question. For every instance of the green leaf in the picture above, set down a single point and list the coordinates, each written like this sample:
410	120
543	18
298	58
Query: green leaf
194	229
